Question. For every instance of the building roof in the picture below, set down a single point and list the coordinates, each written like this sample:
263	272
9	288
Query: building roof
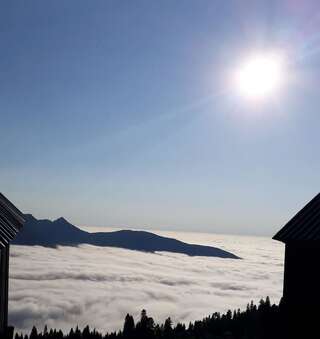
11	221
304	226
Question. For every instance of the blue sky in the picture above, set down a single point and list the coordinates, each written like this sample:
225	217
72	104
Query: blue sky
118	113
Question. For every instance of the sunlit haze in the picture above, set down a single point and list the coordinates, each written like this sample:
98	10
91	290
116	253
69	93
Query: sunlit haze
260	76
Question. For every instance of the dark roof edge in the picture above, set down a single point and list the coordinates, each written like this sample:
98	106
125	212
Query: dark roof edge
9	205
279	235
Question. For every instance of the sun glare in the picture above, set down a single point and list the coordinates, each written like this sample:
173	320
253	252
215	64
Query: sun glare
260	76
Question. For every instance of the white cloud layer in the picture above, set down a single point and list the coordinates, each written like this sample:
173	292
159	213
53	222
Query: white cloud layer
83	285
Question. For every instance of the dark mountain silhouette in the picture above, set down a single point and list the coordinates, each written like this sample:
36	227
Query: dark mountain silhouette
60	232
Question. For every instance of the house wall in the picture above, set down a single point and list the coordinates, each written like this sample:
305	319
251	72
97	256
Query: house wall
302	274
301	291
4	275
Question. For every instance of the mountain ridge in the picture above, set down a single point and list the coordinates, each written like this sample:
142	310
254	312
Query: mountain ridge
60	232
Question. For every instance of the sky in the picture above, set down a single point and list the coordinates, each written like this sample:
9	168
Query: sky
121	113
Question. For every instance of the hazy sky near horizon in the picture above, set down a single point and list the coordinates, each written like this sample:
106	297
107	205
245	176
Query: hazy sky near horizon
120	113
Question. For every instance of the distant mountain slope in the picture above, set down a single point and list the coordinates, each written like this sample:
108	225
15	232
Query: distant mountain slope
61	232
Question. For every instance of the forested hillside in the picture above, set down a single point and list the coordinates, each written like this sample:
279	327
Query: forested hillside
256	322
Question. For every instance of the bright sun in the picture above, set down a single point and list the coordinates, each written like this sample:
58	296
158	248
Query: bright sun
260	76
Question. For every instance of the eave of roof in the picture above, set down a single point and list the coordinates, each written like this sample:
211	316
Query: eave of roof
304	226
11	221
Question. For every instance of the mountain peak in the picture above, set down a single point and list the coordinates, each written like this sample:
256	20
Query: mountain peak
62	220
29	217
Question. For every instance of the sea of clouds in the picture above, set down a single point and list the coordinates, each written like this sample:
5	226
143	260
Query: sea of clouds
71	286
